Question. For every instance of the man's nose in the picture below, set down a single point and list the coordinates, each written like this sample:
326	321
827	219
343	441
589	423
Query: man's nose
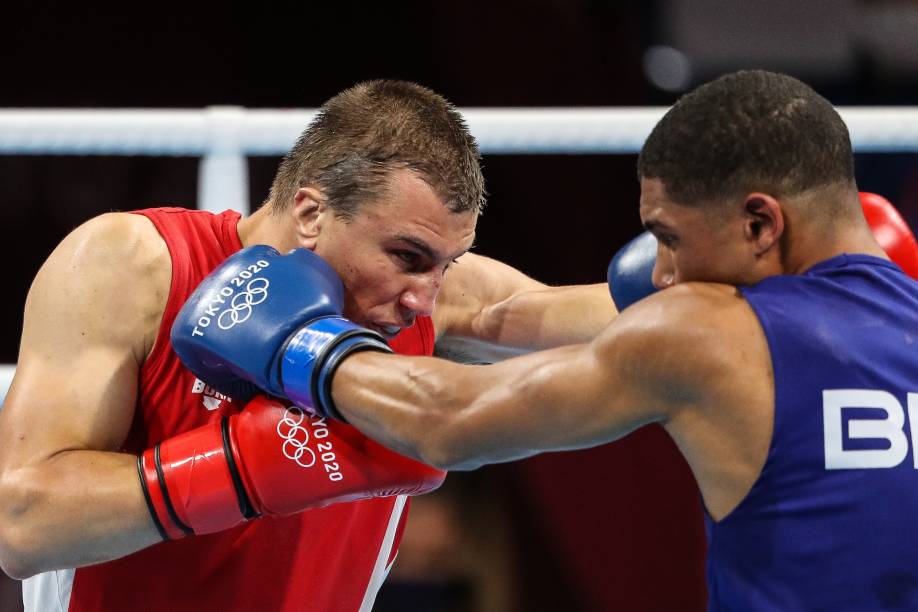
663	275
421	294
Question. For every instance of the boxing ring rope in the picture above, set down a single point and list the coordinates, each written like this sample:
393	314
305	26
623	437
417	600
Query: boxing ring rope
224	136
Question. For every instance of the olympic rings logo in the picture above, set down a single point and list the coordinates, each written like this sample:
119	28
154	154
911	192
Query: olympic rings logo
295	438
256	292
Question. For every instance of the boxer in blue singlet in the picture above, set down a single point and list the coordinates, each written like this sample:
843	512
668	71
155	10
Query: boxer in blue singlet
781	356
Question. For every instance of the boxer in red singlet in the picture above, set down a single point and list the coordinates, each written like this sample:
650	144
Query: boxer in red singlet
385	185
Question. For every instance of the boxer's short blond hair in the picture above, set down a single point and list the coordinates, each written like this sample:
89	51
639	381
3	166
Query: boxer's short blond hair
360	136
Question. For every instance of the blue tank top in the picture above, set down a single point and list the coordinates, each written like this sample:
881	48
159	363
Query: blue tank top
832	521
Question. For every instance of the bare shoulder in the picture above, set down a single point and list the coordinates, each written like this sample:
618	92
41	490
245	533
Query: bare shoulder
687	341
112	237
91	317
113	273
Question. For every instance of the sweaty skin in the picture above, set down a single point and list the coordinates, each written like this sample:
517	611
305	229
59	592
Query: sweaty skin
693	358
68	497
686	358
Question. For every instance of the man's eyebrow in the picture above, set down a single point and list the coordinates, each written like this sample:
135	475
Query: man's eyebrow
654	225
425	248
420	245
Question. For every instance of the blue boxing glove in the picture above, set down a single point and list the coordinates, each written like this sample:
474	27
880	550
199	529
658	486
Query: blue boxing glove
272	322
630	272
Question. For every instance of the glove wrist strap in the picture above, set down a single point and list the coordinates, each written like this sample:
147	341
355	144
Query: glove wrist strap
314	352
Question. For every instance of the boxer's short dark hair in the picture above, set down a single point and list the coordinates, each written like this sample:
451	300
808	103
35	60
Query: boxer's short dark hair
748	131
360	136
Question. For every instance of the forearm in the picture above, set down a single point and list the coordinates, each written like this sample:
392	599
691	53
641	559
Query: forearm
547	318
75	508
398	401
461	417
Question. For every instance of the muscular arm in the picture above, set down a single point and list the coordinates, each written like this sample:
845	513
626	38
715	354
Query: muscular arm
460	417
688	358
67	496
489	310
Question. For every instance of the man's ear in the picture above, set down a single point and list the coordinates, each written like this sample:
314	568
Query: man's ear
309	209
763	223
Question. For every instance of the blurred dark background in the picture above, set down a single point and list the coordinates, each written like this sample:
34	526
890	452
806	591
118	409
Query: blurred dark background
617	527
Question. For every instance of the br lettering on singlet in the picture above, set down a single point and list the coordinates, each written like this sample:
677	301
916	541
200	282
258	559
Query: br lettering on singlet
873	418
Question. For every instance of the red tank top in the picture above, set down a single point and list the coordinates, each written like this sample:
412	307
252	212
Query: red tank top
323	560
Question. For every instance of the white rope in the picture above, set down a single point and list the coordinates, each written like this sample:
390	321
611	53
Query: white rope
222	129
224	135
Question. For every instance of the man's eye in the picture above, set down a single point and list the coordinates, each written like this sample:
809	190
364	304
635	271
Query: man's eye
407	256
666	240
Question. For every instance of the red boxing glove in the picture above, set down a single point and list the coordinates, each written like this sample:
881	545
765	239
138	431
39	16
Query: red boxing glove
269	459
891	231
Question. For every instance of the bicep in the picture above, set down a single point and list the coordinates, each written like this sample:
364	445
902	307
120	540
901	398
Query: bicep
471	286
553	316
